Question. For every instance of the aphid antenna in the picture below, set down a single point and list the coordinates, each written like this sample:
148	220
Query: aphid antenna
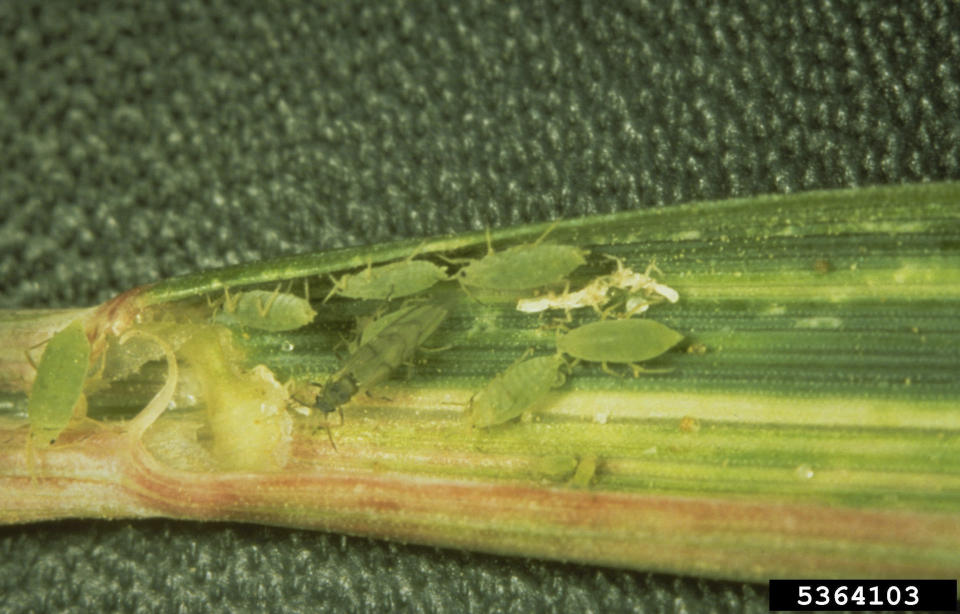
536	242
326	426
489	240
416	251
546	232
26	353
326	423
333	290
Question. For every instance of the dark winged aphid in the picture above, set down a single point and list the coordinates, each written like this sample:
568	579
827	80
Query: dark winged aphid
379	356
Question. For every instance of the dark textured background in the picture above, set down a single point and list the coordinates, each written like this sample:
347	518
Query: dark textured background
140	141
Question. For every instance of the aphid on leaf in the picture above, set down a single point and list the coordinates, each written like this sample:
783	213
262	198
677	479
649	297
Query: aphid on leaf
58	387
522	267
512	392
389	281
626	341
374	361
371	326
271	311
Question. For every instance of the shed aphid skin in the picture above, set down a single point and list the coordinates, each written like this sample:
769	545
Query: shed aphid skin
375	359
389	281
621	341
512	392
270	311
600	291
161	400
522	267
57	393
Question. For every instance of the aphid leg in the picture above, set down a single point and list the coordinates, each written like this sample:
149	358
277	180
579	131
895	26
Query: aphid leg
606	369
215	305
262	309
229	304
637	370
489	241
306	289
555	324
27	351
467	292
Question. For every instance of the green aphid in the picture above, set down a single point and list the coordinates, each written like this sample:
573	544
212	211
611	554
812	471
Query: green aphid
58	386
374	361
623	341
271	311
512	392
523	267
389	281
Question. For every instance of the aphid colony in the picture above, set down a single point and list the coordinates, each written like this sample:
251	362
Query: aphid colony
391	340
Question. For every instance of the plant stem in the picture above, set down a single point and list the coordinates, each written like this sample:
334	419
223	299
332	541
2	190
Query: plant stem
808	424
